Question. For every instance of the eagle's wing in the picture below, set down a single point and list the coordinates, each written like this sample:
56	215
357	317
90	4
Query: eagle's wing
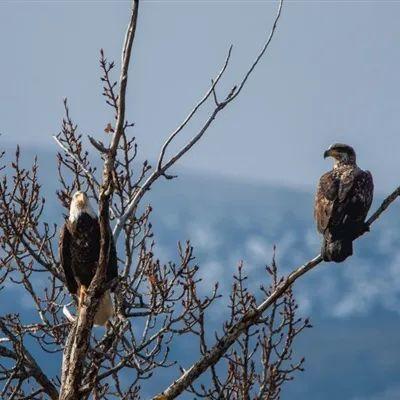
65	259
340	212
332	197
363	195
369	190
327	192
346	182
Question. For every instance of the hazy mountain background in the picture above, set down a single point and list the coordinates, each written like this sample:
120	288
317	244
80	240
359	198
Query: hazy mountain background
353	350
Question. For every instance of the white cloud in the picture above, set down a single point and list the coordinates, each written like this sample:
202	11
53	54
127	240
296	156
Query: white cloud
370	284
210	273
259	250
305	303
203	236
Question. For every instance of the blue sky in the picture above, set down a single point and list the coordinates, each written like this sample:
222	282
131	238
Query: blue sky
331	74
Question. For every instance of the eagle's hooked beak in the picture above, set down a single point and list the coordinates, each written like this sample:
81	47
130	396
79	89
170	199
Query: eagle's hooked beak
327	153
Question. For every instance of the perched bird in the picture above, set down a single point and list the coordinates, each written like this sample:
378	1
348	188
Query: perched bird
79	249
342	201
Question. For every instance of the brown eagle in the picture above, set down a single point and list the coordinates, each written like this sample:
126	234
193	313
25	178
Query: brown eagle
79	249
342	201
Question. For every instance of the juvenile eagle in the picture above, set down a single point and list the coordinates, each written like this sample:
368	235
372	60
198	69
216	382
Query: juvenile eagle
79	249
342	201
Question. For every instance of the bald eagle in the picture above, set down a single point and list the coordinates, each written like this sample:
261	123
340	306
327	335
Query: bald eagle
342	201
79	249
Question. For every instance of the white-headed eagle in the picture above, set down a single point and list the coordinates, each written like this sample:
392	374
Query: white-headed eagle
79	249
342	201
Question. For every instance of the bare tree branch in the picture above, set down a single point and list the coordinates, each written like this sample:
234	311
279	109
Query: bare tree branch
219	106
72	155
89	174
31	367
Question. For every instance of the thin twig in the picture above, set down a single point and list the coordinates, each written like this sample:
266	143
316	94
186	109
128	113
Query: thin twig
90	176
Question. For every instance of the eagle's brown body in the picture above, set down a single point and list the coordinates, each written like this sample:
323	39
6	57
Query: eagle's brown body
80	245
79	249
342	201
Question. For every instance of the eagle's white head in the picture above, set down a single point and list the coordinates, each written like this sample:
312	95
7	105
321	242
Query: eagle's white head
80	204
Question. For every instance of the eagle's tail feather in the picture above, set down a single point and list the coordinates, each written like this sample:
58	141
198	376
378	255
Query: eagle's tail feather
336	250
105	310
68	315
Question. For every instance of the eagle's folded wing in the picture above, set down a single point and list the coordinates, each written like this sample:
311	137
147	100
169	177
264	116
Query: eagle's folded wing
65	259
367	184
327	192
